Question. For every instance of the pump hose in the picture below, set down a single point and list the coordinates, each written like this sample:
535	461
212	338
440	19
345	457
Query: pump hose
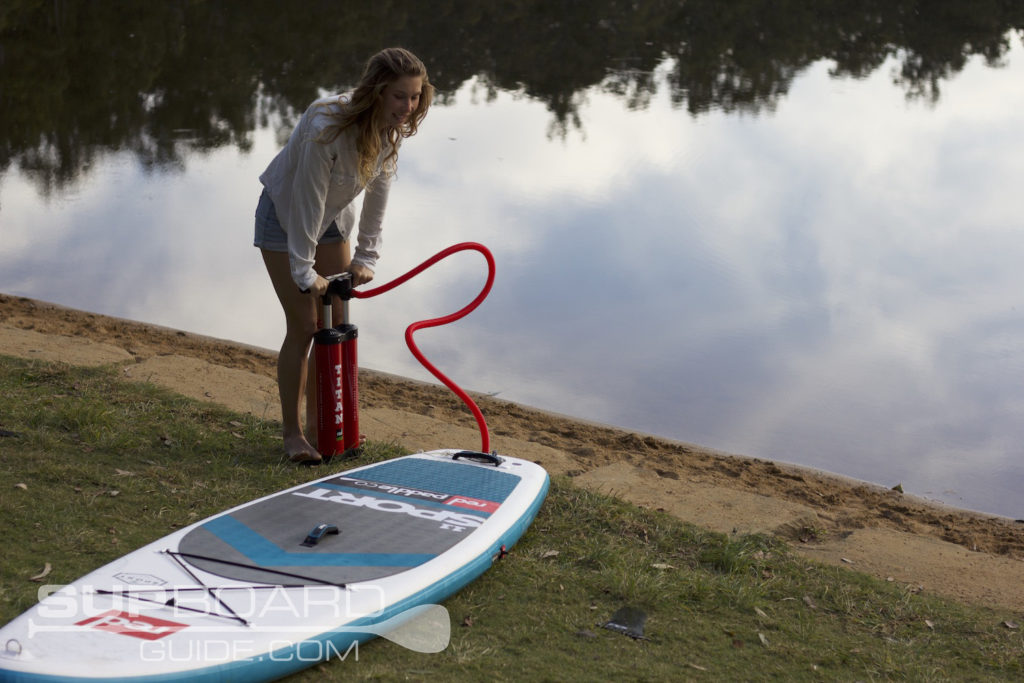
444	320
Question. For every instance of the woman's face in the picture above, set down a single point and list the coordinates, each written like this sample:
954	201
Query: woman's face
400	99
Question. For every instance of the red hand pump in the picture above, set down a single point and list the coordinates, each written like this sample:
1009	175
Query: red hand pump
335	356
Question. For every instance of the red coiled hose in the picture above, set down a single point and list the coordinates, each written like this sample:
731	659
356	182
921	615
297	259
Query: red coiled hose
444	320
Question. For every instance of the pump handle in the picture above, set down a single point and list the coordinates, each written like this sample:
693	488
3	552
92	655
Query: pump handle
339	284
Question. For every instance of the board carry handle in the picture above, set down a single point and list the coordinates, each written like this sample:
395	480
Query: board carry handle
318	532
477	455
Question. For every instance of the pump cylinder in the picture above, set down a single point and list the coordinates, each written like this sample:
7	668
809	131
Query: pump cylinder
349	386
327	357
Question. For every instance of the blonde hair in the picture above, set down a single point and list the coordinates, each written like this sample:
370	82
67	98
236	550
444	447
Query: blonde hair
363	111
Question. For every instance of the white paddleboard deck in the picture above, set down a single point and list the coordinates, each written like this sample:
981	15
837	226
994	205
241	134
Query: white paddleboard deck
268	588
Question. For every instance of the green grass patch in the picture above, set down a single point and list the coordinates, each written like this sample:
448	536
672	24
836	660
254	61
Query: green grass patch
93	466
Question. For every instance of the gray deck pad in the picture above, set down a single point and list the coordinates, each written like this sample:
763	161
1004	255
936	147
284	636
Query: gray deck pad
391	517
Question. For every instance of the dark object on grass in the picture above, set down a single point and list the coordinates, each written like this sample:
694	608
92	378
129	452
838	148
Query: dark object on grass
5	432
628	621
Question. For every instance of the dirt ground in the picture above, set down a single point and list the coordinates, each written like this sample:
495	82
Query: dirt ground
926	546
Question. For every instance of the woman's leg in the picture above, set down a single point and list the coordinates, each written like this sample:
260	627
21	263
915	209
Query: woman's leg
294	371
300	324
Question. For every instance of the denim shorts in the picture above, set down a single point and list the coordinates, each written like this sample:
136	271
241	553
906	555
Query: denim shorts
272	237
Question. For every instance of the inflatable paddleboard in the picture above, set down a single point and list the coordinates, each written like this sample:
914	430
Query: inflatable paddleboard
286	581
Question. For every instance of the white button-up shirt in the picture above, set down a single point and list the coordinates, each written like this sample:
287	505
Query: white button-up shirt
313	184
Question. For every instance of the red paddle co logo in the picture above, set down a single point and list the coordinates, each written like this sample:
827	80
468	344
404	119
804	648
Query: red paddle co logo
134	625
473	504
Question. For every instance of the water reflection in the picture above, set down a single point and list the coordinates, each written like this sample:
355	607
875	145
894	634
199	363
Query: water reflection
833	284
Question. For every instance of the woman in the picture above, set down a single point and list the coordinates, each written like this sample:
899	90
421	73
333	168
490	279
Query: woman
341	146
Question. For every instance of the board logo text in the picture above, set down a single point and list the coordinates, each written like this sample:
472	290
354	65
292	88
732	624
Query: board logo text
450	519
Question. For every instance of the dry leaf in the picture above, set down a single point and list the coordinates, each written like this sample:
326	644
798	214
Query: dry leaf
698	668
548	554
123	473
1012	625
764	641
809	602
467	622
22	486
760	613
663	566
846	560
43	574
929	624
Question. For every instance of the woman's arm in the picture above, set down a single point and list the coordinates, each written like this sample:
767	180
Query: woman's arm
371	222
306	210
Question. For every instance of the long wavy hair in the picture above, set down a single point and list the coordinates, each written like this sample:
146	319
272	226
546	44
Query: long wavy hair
363	111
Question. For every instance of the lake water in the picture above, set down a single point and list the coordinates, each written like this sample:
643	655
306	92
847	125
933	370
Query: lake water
827	273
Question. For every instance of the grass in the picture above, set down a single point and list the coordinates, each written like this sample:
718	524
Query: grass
99	466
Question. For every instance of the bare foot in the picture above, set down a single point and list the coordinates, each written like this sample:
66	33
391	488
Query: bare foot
298	450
